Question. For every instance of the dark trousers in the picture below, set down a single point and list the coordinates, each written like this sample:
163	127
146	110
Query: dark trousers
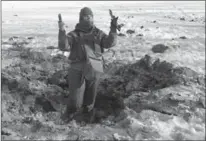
82	91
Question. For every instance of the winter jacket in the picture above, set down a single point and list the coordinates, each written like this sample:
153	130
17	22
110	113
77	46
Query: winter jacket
93	42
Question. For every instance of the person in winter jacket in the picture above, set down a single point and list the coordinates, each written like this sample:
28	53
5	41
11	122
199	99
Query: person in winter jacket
86	44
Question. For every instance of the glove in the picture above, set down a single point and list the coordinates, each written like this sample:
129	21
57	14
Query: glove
114	24
61	25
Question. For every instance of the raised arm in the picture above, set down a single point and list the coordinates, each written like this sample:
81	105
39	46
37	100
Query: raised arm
108	41
64	41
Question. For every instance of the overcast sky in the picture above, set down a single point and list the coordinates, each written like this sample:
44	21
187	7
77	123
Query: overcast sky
35	4
8	5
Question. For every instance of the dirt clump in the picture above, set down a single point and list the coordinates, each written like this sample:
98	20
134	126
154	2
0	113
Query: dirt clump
121	34
183	37
159	48
130	31
145	75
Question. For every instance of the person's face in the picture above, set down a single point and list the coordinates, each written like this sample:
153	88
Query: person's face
88	19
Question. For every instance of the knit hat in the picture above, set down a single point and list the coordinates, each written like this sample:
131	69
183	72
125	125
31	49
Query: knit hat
86	11
85	25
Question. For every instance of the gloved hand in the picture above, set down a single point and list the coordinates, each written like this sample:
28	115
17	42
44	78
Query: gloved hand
114	24
61	25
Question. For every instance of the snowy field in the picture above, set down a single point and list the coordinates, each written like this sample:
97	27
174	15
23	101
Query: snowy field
42	24
157	22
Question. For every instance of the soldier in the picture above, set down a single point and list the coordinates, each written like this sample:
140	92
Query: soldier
86	44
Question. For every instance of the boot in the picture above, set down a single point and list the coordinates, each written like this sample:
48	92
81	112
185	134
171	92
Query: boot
89	114
68	115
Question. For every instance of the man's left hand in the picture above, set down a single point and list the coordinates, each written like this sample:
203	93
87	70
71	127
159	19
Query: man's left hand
114	22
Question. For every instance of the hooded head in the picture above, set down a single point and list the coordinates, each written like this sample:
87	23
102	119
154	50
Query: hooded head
86	17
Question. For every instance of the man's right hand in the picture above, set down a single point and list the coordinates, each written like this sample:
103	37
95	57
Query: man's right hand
61	26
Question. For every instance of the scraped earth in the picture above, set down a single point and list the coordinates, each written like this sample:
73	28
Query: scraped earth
143	95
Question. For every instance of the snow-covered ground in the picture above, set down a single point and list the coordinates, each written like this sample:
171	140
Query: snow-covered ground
162	24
